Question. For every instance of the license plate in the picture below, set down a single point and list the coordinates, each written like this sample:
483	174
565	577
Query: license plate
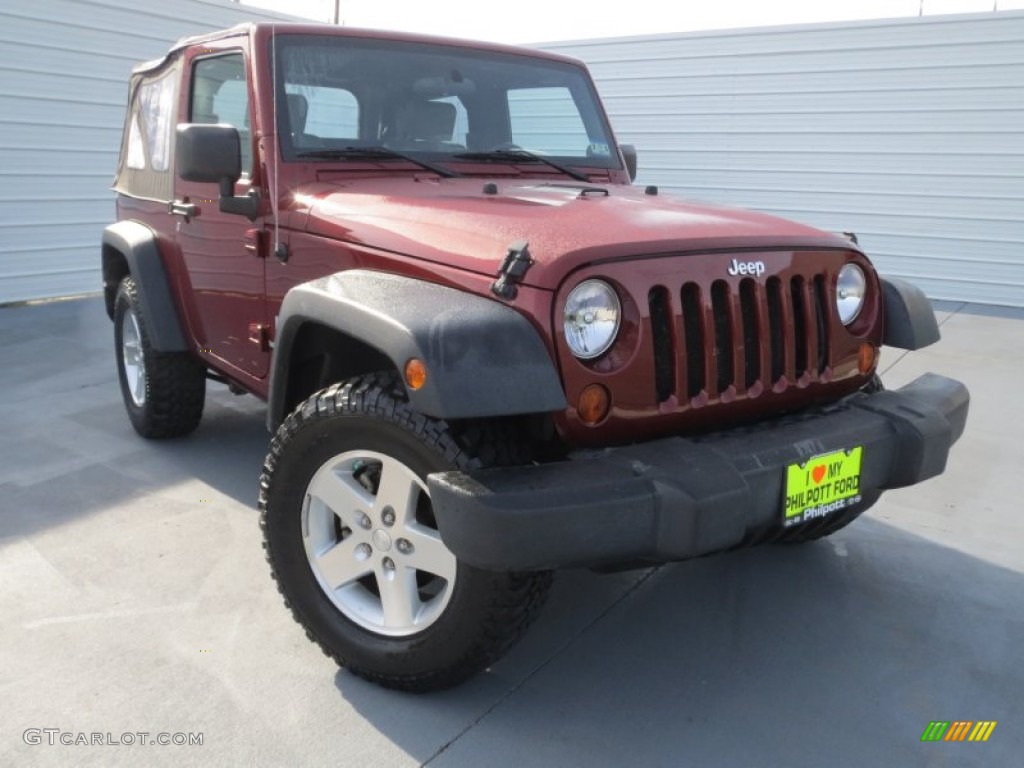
822	486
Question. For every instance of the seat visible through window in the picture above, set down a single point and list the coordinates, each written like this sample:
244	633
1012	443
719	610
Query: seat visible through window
427	125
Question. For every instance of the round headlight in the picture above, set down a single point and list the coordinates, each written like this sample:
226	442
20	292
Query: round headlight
592	317
850	289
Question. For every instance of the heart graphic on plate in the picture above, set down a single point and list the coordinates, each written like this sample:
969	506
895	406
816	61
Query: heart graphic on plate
818	473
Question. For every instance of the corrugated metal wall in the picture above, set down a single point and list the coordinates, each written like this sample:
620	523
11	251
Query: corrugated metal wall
64	68
909	132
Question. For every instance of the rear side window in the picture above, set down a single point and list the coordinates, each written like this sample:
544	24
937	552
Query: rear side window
220	94
149	133
147	147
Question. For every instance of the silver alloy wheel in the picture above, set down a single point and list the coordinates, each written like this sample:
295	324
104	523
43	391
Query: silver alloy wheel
372	545
134	362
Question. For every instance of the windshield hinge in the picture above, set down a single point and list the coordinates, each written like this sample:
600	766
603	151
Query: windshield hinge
512	271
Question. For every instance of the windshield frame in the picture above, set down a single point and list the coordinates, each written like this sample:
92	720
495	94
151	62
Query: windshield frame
591	112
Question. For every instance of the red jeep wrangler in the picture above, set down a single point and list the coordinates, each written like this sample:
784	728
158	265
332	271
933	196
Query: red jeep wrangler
486	355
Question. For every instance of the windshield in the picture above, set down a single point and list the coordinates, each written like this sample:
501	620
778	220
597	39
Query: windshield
434	102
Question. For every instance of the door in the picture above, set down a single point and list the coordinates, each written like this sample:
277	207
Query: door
224	254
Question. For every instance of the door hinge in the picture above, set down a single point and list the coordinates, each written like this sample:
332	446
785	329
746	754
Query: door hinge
254	242
259	334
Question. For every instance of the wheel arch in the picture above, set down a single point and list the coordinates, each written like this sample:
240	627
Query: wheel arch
115	269
909	318
320	355
130	248
483	358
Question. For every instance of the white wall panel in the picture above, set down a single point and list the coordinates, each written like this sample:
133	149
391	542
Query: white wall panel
909	132
64	67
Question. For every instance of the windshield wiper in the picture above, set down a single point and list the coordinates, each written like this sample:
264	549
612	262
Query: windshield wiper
521	154
376	152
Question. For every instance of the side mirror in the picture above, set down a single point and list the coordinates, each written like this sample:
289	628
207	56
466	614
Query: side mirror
213	154
629	158
209	153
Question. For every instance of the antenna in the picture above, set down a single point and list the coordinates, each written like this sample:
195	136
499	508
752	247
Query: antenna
277	138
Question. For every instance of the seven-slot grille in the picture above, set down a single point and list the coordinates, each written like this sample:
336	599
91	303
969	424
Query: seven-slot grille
730	340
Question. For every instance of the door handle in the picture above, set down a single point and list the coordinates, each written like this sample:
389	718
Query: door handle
183	208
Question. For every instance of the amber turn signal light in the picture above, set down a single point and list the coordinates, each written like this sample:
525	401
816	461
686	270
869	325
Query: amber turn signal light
415	373
593	404
866	357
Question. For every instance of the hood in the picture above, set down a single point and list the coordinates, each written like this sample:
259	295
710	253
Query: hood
567	224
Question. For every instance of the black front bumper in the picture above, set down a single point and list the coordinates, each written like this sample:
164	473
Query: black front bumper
678	498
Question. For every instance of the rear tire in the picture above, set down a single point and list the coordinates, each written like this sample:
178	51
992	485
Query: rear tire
163	392
353	545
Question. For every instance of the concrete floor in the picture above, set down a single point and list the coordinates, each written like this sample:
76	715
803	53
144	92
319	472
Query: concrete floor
134	597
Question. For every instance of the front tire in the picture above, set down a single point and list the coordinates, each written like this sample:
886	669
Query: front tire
352	542
163	392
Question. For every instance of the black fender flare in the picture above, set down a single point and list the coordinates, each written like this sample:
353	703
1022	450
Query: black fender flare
482	358
909	318
137	243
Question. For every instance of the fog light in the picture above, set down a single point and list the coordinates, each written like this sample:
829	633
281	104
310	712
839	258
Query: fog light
593	404
866	357
415	373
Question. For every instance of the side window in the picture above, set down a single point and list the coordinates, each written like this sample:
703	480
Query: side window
220	95
547	120
319	112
